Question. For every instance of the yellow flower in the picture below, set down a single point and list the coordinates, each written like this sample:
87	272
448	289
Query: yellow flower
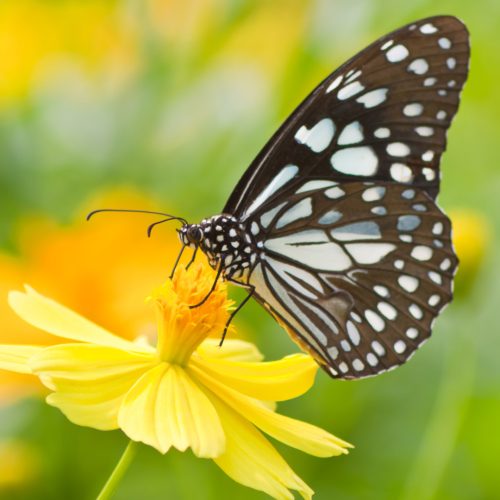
186	392
471	235
110	255
19	466
38	39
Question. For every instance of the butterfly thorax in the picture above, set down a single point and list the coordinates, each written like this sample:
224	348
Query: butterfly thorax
225	242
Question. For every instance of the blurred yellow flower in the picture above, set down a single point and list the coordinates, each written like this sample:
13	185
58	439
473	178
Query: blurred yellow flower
103	267
19	464
471	235
186	392
37	38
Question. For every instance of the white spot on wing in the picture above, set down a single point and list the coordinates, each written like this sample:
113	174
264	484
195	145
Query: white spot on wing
397	53
334	84
319	137
330	217
415	311
378	348
382	133
373	98
412	333
436	277
367	230
298	276
334	192
300	210
351	134
408	222
398	149
369	253
413	109
429	174
451	62
418	66
424	131
399	346
445	265
267	217
437	228
353	333
350	90
358	365
408	283
387	310
374	193
355	161
387	44
401	173
381	290
313	185
311	248
429	82
428	156
444	43
376	322
372	359
428	29
285	175
421	253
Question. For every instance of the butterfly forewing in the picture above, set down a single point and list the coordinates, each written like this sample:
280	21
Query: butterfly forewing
381	116
357	272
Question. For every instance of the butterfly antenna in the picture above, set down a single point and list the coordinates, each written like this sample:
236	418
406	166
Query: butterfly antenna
135	211
154	224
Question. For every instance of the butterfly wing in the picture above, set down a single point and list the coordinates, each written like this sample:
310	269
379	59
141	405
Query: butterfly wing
382	116
356	272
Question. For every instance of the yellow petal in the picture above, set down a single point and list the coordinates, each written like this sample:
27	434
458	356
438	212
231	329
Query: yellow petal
15	358
300	435
46	314
252	461
89	381
166	408
234	350
272	381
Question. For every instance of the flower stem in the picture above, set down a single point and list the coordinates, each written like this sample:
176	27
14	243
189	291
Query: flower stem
118	472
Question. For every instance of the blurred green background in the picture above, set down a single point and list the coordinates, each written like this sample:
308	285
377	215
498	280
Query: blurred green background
173	99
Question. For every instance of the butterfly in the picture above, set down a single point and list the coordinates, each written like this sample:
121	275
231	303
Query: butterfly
334	227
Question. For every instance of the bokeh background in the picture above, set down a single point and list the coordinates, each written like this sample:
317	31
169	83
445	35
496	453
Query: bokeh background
162	104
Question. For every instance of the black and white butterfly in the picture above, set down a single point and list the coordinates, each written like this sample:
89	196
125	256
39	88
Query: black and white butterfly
334	227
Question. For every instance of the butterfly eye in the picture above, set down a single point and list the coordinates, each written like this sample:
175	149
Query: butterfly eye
194	234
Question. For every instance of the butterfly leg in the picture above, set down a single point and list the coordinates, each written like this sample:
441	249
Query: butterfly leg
177	261
214	284
233	314
192	258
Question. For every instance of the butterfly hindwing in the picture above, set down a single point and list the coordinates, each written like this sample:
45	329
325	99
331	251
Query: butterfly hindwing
381	116
357	272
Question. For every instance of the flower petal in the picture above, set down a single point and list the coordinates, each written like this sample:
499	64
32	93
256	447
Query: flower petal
252	461
300	435
15	358
89	381
232	349
46	314
272	381
166	408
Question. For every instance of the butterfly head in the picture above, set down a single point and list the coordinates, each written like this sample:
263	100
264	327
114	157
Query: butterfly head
191	235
